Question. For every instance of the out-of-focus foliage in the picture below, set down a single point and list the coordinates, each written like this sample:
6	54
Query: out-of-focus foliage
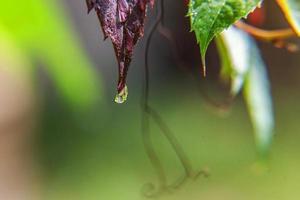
258	98
243	65
42	31
291	10
233	46
12	57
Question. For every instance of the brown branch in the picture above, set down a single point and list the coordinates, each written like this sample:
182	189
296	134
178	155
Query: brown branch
266	35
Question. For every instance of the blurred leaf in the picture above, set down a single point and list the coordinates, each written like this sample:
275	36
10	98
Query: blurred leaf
233	46
242	63
291	10
210	17
41	28
12	58
259	101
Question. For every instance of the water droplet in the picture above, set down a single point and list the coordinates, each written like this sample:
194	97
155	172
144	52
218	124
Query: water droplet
122	96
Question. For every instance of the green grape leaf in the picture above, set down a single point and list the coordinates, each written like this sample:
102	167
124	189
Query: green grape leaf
210	17
291	10
242	63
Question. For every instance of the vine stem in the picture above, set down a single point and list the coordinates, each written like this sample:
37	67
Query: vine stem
148	111
155	161
266	35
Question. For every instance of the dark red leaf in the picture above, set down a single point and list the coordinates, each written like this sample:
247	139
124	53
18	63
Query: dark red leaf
123	22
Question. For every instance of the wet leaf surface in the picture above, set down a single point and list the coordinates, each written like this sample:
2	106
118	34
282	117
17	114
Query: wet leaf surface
123	22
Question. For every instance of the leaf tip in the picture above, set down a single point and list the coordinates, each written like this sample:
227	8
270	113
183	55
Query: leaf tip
90	6
203	66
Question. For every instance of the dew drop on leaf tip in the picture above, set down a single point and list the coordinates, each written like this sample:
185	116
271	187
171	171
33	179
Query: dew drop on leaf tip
121	97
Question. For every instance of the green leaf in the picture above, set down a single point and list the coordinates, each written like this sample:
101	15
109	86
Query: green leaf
211	17
242	63
291	10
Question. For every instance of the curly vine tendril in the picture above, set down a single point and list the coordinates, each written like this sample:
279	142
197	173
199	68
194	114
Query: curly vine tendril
150	189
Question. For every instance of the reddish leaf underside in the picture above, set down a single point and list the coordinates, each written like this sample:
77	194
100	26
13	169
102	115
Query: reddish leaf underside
123	22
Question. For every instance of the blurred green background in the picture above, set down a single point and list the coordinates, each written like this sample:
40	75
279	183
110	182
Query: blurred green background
63	137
